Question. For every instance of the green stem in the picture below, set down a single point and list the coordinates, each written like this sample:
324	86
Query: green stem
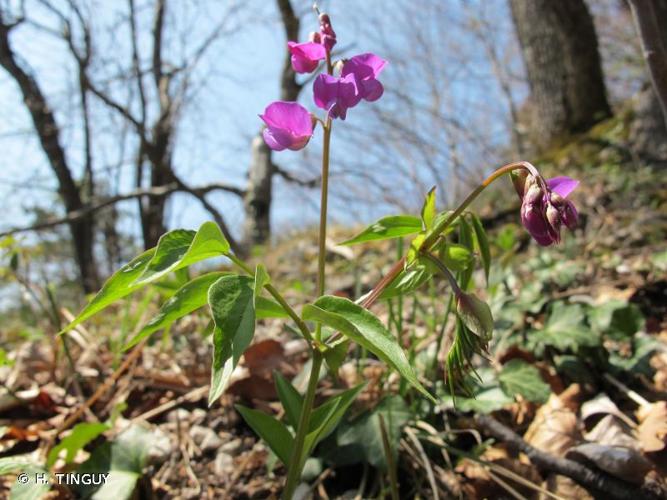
279	298
297	459
322	238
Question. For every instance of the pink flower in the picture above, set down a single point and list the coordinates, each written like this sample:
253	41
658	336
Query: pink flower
358	81
366	68
289	126
336	95
543	211
306	56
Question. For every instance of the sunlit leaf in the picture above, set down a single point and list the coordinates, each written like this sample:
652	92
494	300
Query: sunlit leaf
428	209
80	436
187	299
231	300
386	228
270	430
361	326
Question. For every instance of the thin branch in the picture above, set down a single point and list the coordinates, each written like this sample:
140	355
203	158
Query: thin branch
159	191
596	481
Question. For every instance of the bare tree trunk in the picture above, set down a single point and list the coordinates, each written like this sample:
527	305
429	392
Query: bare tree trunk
48	131
649	18
257	201
560	51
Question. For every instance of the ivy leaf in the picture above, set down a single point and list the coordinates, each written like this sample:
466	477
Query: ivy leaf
231	300
519	377
188	298
361	326
386	228
565	328
81	435
428	210
270	430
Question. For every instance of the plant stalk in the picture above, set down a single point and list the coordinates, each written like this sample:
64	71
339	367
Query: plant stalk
297	459
322	238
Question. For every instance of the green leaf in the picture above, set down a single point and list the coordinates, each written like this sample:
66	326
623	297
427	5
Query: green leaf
267	308
365	329
120	284
364	433
456	257
261	279
617	319
124	459
475	314
270	430
386	228
81	435
465	239
181	248
231	300
336	354
565	328
484	400
407	281
482	244
326	417
519	377
34	488
175	250
188	298
289	397
428	209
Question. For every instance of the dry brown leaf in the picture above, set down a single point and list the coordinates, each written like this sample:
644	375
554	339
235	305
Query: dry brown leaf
555	428
619	461
652	430
612	432
564	487
264	356
659	364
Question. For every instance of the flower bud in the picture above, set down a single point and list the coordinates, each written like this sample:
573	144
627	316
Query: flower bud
569	215
475	314
553	216
327	32
315	37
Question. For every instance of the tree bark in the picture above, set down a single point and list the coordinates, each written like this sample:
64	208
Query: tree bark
560	51
257	201
48	131
650	16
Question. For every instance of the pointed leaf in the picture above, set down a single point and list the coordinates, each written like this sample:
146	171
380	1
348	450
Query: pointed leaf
428	210
188	298
365	329
231	300
270	430
290	399
120	284
407	281
336	354
261	279
483	244
387	228
181	248
267	308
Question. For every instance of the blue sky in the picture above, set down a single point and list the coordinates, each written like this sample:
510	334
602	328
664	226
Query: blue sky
240	77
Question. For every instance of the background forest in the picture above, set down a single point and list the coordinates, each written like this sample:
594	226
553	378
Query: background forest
122	120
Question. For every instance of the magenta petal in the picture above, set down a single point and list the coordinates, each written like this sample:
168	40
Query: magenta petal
562	185
306	56
365	65
325	91
271	140
372	90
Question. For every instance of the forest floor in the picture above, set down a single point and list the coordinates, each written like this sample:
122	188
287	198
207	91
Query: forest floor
573	393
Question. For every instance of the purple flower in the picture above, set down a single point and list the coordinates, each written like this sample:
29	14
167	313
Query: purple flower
327	34
289	126
336	95
358	81
306	56
545	209
366	68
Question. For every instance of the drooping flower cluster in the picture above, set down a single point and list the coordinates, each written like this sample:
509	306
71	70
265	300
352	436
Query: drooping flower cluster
287	127
544	207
